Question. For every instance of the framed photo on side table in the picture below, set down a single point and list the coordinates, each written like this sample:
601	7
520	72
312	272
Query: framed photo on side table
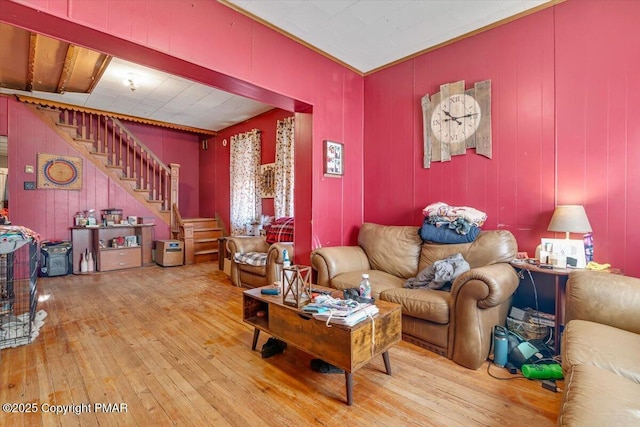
333	159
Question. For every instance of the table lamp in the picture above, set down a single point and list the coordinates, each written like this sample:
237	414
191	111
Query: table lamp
569	219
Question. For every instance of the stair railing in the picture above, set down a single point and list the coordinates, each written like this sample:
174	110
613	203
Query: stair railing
122	150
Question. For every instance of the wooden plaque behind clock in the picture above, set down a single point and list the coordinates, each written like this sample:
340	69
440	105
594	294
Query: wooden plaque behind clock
455	119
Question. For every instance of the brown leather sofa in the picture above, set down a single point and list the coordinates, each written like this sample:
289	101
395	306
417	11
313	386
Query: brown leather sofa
255	276
601	351
456	324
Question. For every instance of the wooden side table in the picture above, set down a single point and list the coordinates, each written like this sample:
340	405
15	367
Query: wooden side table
560	277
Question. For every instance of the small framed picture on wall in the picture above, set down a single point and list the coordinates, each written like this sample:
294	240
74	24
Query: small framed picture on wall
333	159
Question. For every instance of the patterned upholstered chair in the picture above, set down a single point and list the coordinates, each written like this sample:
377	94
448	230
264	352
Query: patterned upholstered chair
257	260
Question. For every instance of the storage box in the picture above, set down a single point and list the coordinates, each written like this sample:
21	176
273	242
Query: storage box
527	330
111	216
169	253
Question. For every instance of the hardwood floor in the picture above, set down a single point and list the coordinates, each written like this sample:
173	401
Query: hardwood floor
170	344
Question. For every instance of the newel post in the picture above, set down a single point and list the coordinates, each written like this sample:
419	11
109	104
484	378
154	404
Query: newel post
173	192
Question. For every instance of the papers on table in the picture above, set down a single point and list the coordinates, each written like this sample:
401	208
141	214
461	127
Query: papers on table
347	317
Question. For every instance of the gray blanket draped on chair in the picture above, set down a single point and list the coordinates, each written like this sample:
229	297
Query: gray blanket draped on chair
440	273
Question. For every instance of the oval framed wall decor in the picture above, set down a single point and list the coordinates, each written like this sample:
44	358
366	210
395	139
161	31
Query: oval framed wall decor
59	172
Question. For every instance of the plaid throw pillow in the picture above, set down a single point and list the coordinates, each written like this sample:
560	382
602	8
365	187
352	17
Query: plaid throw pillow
281	230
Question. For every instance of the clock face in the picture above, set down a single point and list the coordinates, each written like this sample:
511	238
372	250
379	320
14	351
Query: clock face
455	118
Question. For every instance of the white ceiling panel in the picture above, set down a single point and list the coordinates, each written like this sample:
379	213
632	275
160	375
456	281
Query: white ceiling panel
380	28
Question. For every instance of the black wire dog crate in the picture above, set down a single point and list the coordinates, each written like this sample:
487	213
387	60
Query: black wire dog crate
18	291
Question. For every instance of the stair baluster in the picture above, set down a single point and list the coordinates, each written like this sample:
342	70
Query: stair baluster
98	140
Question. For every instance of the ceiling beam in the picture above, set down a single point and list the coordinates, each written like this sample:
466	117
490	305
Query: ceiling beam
67	68
98	76
31	66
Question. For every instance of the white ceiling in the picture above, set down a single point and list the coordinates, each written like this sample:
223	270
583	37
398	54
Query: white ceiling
363	34
368	34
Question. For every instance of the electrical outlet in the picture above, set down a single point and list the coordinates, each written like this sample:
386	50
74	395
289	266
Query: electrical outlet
29	185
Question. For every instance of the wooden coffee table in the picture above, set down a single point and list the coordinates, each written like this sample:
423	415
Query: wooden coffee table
345	347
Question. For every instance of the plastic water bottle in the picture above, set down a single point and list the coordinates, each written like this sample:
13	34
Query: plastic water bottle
286	262
287	276
365	286
500	346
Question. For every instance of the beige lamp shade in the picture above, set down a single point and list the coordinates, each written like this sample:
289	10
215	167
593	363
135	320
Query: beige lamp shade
569	219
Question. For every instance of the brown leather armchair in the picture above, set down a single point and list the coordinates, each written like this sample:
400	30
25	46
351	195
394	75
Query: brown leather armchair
253	276
601	350
456	324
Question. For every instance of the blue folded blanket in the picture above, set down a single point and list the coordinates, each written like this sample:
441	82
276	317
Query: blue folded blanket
444	234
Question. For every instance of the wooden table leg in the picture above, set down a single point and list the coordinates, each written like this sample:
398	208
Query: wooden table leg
561	296
387	362
349	379
256	334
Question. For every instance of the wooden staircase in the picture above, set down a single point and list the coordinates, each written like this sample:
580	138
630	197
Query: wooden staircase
107	143
112	148
200	237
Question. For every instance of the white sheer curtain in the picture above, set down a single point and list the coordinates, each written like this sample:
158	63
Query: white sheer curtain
246	204
283	200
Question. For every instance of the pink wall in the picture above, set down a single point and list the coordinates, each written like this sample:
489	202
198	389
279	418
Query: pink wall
214	163
210	43
4	117
560	132
50	212
597	126
174	146
563	99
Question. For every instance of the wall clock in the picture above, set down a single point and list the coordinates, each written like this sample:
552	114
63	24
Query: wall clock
455	119
59	172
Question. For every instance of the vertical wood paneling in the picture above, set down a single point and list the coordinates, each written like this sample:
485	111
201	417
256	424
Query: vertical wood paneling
558	104
86	12
140	19
303	187
596	85
337	116
211	185
119	17
632	186
352	207
388	146
508	187
159	28
4	116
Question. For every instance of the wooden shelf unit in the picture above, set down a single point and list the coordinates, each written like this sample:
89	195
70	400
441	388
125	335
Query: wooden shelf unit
109	258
